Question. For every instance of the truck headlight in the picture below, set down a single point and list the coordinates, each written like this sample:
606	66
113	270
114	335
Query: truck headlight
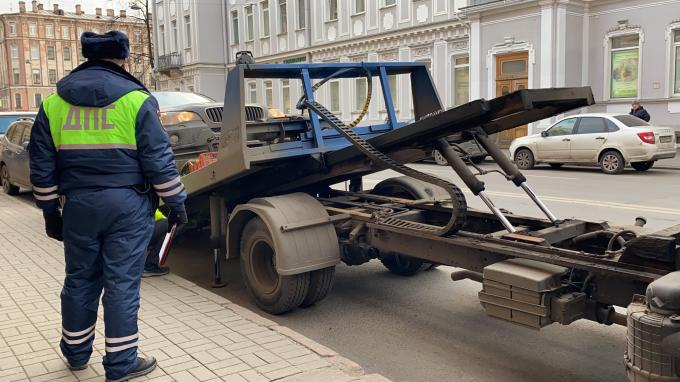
176	117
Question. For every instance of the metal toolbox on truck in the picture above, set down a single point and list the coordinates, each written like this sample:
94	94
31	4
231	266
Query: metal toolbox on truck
518	290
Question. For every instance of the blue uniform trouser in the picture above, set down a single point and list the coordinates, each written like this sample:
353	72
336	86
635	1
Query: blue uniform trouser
106	233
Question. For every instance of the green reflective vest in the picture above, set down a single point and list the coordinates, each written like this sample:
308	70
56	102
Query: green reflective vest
159	215
94	128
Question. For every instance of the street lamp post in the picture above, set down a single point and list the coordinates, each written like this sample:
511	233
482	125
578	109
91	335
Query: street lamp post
143	5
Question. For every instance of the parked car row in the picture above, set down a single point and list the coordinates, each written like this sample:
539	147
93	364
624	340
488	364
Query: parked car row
607	140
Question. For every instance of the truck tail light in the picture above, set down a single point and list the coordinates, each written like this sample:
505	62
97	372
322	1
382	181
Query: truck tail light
647	137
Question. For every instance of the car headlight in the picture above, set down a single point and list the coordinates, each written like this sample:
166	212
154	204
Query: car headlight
176	117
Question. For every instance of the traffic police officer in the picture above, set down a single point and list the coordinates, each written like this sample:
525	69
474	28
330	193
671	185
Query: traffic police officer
97	145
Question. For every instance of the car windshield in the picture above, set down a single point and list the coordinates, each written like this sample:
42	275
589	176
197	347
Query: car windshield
631	121
173	99
5	121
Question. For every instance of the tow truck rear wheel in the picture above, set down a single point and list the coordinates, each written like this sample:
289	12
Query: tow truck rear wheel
273	293
402	265
320	283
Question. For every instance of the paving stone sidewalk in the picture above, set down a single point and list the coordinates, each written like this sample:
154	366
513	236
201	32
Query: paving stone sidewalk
195	335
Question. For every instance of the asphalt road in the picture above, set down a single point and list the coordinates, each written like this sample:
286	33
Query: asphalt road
428	328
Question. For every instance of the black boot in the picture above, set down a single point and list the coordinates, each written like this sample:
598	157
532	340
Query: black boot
144	367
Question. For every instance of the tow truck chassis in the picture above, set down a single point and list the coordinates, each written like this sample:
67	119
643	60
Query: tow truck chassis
269	198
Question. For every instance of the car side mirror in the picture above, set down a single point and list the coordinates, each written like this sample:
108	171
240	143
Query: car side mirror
25	145
544	133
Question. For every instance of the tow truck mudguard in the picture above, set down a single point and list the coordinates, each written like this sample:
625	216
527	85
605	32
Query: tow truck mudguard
302	232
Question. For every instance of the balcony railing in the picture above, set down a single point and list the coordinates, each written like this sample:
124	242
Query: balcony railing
169	61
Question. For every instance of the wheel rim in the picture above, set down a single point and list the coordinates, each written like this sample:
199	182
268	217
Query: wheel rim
522	159
263	263
610	162
4	179
439	159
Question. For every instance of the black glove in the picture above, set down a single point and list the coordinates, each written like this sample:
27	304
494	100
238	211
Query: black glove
53	225
178	217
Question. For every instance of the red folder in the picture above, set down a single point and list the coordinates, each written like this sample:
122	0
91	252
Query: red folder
165	248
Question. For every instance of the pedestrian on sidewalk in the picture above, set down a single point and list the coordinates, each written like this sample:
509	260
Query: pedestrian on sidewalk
97	145
151	265
637	110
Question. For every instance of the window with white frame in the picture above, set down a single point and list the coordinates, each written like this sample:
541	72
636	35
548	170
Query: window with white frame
32	29
175	42
359	6
360	86
161	39
65	32
335	95
250	23
389	3
332	10
234	27
676	48
49	30
16	76
50	52
268	93
52	76
37	99
283	17
187	30
67	53
285	93
138	37
80	32
625	62
37	80
14	51
461	80
252	92
17	100
12	29
264	7
35	52
301	14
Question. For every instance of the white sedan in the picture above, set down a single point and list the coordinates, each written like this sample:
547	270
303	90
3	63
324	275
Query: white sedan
608	140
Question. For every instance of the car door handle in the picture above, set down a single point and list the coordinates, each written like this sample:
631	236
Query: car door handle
599	138
566	140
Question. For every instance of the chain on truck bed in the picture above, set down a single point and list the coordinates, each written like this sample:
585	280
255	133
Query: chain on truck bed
459	205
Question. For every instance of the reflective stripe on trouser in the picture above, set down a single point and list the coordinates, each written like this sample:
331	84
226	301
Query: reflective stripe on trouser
106	233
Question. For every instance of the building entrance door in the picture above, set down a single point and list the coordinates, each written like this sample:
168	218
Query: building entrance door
511	75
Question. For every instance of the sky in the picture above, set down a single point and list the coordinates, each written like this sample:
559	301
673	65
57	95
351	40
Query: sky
68	5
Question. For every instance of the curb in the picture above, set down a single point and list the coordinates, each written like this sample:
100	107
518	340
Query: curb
346	365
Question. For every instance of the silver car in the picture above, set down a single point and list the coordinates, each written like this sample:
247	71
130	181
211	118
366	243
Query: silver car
607	140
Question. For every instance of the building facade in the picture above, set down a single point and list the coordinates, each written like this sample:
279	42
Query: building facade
38	47
293	31
624	49
190	46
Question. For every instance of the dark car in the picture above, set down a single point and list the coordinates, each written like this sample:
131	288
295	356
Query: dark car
14	170
191	120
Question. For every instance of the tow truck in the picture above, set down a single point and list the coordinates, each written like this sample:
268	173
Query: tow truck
267	196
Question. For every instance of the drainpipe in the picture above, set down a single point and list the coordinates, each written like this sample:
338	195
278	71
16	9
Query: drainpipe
225	39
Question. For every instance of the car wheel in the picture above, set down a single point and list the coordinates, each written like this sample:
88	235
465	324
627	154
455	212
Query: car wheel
524	159
439	158
612	163
642	166
556	165
7	186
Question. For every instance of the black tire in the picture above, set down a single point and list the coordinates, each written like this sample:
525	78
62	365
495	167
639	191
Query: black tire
556	165
524	159
439	158
612	162
642	166
478	160
7	186
402	265
272	292
320	283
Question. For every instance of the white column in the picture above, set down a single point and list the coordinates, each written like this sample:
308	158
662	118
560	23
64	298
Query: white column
404	97
561	45
585	56
476	60
439	68
373	114
547	48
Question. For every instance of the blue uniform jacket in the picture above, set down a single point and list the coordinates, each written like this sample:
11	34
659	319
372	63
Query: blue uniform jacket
54	173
